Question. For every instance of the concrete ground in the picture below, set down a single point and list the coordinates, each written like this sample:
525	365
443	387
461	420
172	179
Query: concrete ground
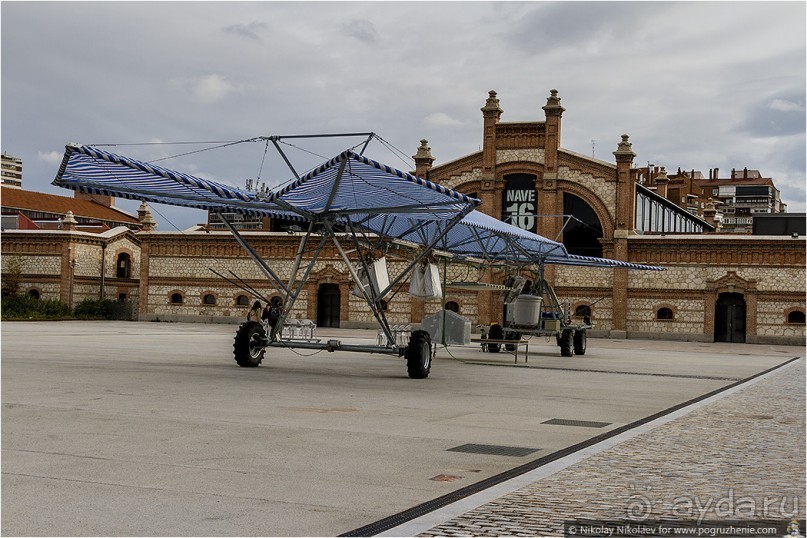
123	428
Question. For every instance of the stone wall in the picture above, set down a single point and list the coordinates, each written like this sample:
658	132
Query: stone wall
46	259
689	289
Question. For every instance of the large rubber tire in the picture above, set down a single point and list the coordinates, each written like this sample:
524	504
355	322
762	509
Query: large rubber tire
419	355
580	342
248	347
496	333
565	341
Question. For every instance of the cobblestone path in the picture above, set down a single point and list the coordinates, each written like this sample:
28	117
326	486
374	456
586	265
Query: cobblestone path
741	457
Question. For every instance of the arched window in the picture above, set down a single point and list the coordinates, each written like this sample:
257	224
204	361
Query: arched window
664	313
583	232
453	306
176	298
796	317
209	298
582	311
123	266
242	300
33	292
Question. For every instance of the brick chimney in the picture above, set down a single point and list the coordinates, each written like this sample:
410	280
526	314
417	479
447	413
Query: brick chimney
106	201
661	182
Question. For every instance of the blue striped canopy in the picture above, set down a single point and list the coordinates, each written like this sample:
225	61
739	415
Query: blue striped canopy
346	185
592	261
358	193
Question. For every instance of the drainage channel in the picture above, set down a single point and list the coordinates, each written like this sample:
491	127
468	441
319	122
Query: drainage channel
593	371
427	507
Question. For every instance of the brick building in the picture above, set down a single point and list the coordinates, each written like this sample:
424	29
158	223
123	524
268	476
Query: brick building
29	210
717	287
732	201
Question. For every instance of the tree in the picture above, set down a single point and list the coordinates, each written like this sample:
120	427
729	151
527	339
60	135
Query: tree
12	275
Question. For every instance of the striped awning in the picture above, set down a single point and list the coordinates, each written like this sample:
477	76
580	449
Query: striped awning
591	261
349	185
350	190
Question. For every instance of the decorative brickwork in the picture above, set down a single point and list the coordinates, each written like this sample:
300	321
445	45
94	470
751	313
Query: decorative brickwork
534	155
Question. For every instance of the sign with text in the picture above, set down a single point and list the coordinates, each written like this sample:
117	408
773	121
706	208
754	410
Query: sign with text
519	203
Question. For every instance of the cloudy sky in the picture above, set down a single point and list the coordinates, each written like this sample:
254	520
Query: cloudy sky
696	85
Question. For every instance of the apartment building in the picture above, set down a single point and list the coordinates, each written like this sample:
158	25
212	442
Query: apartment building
11	168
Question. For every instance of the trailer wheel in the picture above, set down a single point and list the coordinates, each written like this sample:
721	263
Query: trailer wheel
580	342
419	355
565	341
496	333
248	347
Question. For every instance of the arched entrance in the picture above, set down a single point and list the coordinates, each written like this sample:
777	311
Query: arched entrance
328	305
583	232
730	318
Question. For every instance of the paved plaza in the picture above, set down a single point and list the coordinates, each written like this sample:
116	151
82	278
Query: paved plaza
116	428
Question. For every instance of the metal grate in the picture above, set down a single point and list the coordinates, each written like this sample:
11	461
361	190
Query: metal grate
581	423
494	450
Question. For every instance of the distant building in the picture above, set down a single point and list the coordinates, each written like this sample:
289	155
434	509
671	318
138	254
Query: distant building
11	171
238	221
28	210
791	224
732	202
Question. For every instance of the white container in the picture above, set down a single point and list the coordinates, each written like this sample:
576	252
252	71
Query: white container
527	311
457	328
377	273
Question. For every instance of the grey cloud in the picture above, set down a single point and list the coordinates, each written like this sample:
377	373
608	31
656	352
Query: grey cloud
361	29
781	115
557	25
249	31
682	84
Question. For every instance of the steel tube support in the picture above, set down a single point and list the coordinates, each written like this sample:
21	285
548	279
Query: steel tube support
254	255
428	248
291	298
370	300
336	346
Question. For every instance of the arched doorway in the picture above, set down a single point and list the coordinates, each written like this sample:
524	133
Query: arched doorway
328	305
582	233
730	318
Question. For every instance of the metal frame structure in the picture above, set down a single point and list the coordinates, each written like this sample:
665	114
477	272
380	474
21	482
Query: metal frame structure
655	213
358	204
